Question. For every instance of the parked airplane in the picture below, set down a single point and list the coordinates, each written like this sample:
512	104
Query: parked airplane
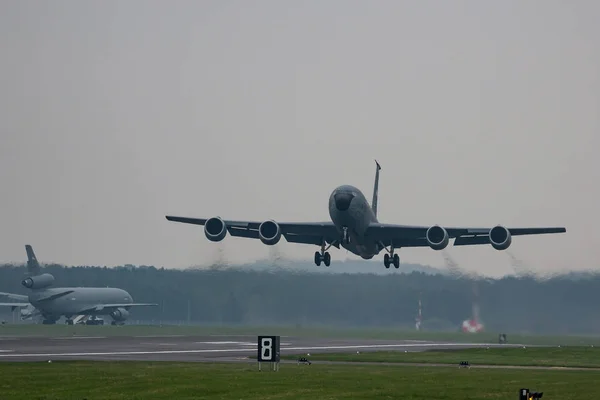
52	303
354	226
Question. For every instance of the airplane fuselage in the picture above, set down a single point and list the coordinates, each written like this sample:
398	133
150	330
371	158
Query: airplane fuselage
349	210
81	298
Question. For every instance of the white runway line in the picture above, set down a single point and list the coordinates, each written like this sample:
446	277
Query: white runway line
243	343
366	346
159	344
253	336
78	337
157	336
239	343
6	351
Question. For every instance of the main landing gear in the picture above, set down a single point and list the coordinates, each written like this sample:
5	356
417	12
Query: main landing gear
323	255
391	258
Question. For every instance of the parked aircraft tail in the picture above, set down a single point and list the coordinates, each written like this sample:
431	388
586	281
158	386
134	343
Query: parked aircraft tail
33	267
376	189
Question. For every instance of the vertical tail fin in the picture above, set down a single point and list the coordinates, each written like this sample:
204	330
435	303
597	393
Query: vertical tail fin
376	188
33	267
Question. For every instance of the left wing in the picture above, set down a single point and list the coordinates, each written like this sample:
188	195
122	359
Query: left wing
14	305
13	296
294	232
102	307
416	236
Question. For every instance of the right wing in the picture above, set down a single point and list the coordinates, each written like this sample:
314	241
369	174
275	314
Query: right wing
294	232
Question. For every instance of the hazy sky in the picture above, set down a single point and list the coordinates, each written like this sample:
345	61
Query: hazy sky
113	114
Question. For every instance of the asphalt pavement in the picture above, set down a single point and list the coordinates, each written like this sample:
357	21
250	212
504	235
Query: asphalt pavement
194	348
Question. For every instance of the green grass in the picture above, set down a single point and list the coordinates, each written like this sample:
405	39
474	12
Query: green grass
152	380
587	357
321	332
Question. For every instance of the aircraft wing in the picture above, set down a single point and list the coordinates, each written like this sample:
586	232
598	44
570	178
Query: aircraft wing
293	232
15	304
13	296
414	236
101	307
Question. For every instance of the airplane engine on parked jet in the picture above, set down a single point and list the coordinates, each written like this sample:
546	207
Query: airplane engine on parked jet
120	314
215	229
269	233
38	282
437	237
500	237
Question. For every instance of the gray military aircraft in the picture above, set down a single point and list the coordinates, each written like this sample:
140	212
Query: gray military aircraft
52	303
355	227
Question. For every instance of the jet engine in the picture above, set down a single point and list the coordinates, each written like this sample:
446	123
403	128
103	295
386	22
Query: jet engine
269	233
215	229
120	314
437	237
38	282
500	237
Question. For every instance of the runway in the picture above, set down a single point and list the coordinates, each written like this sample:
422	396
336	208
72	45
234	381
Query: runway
204	348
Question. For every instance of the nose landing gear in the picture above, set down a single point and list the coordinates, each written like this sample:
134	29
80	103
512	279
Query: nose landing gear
345	236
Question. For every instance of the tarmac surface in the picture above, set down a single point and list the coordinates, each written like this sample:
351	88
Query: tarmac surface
206	348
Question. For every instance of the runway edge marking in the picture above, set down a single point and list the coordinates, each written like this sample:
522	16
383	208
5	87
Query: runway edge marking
199	351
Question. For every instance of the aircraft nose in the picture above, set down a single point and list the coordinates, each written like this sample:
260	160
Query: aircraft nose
343	200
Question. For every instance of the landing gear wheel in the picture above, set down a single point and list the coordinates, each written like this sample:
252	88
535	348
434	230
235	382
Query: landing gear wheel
323	255
318	258
396	261
386	260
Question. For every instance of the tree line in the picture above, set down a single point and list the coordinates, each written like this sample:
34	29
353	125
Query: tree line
560	305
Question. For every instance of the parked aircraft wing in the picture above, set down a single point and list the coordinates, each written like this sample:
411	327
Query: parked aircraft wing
295	232
55	295
14	305
117	305
101	307
414	236
13	296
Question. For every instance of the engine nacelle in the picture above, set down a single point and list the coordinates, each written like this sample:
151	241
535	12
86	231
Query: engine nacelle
38	282
437	237
500	237
120	314
215	229
269	233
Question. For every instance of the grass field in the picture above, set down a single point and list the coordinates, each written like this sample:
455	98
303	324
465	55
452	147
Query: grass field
588	357
143	380
322	332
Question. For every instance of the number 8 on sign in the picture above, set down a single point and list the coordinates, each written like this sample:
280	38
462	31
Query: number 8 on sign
266	346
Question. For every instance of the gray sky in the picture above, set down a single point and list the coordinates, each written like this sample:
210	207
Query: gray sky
113	114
